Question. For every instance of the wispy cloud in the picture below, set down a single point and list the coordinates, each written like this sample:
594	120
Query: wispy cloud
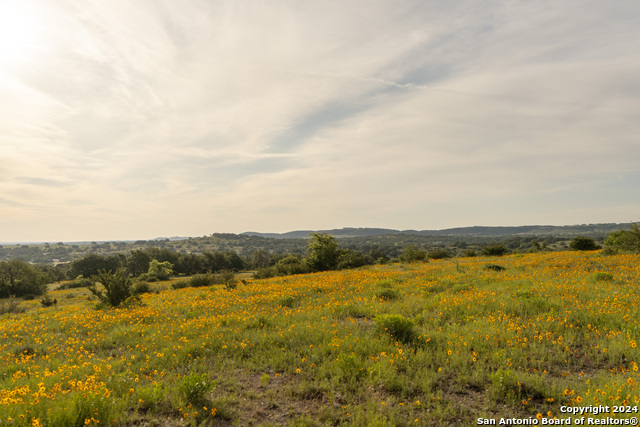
136	119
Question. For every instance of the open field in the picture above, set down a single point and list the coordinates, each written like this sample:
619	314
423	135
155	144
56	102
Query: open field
551	329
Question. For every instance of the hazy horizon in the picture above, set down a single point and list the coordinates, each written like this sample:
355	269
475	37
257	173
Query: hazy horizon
284	232
129	120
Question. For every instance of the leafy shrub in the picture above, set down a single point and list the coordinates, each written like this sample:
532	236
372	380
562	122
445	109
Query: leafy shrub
141	288
47	301
291	265
146	277
411	254
79	282
625	240
180	284
19	278
398	326
200	280
494	267
225	277
497	249
351	259
117	287
439	253
161	270
194	388
581	243
469	253
265	273
133	301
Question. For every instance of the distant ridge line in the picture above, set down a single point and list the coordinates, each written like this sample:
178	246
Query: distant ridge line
485	231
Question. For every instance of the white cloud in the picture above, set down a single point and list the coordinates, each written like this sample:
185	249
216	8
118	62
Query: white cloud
141	117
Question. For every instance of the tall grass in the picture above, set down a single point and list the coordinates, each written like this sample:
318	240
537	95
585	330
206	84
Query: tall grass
455	342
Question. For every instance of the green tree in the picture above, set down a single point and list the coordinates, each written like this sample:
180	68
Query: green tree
91	264
291	265
260	259
323	252
161	270
117	287
582	243
138	262
411	254
625	240
497	249
19	278
439	253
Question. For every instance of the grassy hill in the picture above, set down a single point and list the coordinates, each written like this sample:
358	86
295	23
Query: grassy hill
438	343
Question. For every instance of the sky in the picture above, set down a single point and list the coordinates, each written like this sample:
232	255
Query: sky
135	119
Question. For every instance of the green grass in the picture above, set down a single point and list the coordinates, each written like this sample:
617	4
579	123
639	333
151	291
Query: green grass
438	343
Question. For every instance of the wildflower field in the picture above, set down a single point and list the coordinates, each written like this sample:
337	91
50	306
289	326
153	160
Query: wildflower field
440	343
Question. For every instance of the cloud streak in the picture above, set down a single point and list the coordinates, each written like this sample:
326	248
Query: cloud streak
145	118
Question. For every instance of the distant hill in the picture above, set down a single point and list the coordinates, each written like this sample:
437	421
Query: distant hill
383	240
477	231
342	232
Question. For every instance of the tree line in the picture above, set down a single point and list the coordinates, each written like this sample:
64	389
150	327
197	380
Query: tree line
19	278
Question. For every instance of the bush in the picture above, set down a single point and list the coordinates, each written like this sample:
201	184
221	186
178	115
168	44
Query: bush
141	288
494	267
146	277
161	270
497	249
351	259
225	277
117	287
411	254
19	278
398	326
625	240
200	280
78	282
581	243
439	253
469	253
265	273
180	284
47	301
291	265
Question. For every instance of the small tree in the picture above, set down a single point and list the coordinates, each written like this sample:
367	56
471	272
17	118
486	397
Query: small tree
439	253
410	254
323	251
625	240
19	278
117	287
161	270
497	249
582	243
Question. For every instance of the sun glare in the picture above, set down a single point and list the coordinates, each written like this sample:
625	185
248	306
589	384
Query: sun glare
19	32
